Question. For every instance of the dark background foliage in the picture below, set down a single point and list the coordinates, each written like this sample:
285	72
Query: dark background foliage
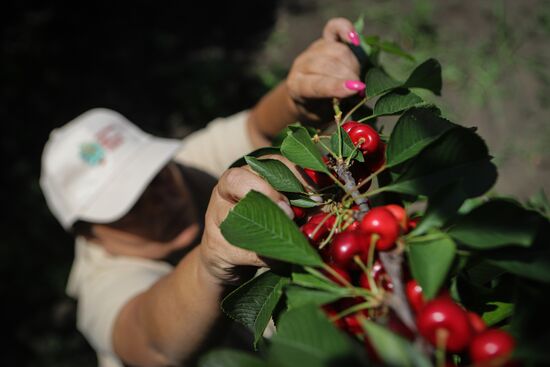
172	66
169	67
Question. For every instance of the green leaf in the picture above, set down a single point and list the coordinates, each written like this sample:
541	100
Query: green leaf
256	223
359	24
495	224
395	49
302	201
441	207
416	129
230	358
532	263
396	101
299	148
305	337
310	281
256	153
278	139
378	82
540	203
459	156
347	146
392	348
298	297
276	173
485	289
253	302
430	261
426	76
501	311
389	47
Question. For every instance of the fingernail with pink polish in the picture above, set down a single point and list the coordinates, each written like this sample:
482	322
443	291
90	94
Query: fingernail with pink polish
286	208
354	38
355	85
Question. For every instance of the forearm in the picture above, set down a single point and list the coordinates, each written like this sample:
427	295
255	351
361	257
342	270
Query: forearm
270	115
170	322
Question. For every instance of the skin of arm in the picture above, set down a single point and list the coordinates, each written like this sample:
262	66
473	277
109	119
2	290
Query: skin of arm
174	319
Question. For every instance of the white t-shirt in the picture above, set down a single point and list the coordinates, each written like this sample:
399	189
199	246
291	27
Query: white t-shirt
103	283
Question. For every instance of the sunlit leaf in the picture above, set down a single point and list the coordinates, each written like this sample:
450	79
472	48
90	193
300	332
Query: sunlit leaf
256	223
276	173
299	148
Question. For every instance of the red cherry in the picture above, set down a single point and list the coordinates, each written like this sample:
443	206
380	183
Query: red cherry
381	221
414	295
476	322
320	179
371	138
299	213
342	272
353	325
354	226
379	276
347	126
377	159
490	345
397	326
328	220
400	214
314	233
443	314
331	312
413	223
345	246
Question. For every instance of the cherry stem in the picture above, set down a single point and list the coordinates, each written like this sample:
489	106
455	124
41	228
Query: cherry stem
355	308
368	273
392	262
326	147
337	275
355	149
331	233
355	108
320	224
373	192
441	336
337	119
367	118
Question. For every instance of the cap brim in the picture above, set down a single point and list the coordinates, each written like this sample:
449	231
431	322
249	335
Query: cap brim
121	193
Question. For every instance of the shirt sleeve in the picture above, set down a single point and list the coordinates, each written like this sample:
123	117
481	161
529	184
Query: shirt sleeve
103	296
219	144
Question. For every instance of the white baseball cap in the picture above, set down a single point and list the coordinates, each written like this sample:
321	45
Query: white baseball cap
96	167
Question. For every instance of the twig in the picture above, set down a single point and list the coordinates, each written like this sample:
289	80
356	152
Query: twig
351	188
392	262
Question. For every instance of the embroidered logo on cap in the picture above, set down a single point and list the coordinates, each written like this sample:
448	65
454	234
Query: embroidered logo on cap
109	138
92	153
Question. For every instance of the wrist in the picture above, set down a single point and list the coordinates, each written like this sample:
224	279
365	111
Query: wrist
274	112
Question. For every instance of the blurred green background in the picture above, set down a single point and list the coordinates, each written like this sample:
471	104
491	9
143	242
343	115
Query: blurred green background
172	66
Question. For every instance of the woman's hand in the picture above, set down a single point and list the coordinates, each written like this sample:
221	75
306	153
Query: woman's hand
228	264
327	69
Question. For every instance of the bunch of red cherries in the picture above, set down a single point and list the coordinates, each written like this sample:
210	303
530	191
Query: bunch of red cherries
351	244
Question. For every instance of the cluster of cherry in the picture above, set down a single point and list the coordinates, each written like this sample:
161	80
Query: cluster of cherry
351	244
